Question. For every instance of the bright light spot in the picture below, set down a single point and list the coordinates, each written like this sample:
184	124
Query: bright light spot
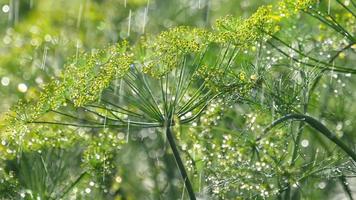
339	126
118	179
22	87
39	80
7	39
322	185
87	190
120	135
5	81
305	143
5	8
21	194
48	38
295	185
348	122
347	2
91	183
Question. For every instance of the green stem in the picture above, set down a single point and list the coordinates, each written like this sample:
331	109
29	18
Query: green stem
179	161
346	187
299	131
70	187
316	125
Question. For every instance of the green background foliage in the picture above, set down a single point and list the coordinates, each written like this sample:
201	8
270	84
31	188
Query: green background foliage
138	99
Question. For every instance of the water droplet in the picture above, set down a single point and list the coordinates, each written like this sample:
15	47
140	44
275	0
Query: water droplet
305	143
322	185
5	8
39	80
87	190
7	39
5	81
118	179
22	87
339	126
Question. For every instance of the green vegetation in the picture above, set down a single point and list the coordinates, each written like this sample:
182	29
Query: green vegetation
258	107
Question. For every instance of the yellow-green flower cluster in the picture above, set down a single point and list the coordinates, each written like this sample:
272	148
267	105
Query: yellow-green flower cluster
245	32
226	81
18	136
168	49
51	98
264	21
88	75
82	81
301	4
100	151
165	53
287	8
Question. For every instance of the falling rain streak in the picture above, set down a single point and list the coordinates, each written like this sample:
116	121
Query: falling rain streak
128	131
44	58
80	13
14	11
129	24
145	15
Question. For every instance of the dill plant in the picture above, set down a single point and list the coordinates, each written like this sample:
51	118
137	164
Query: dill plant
216	97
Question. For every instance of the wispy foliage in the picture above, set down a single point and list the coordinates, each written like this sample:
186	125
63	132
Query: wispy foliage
209	93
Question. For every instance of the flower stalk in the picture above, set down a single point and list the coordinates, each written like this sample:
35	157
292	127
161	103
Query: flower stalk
179	162
316	125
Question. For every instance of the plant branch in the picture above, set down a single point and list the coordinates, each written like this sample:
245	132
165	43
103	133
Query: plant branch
179	161
69	188
316	125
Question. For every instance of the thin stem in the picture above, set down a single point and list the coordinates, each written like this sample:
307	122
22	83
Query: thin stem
179	161
300	129
69	188
327	66
346	8
346	187
316	125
